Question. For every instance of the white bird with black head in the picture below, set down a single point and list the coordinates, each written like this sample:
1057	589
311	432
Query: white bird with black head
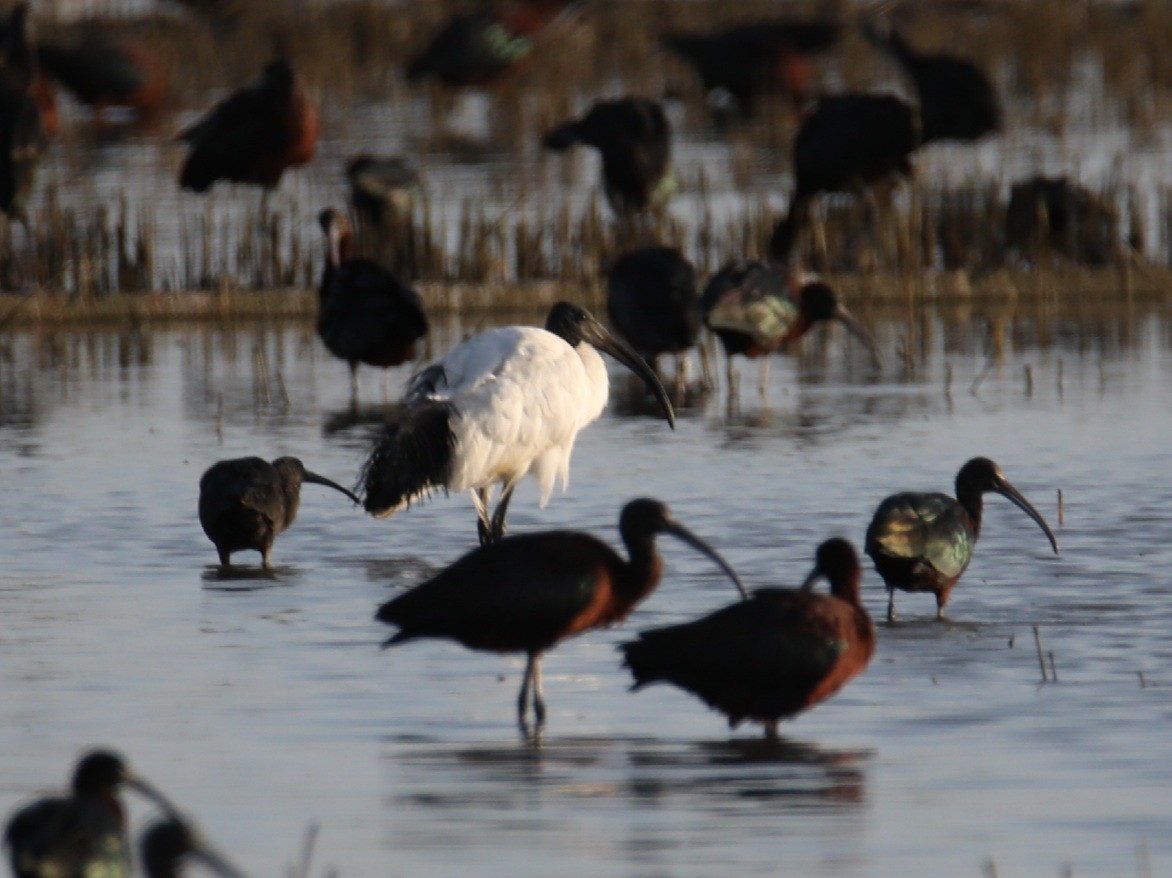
503	404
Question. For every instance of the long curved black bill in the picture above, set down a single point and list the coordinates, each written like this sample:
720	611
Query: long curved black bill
815	574
213	859
147	791
1007	490
859	330
322	480
596	334
682	533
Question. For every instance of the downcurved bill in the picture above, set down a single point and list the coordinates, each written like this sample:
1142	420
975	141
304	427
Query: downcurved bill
213	859
1005	489
597	335
815	574
682	533
144	789
856	328
322	480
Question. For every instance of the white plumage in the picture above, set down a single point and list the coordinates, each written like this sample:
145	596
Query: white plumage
502	404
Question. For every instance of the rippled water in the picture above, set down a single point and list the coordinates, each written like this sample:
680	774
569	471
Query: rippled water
264	703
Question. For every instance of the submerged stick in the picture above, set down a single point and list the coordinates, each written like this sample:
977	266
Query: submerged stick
1041	654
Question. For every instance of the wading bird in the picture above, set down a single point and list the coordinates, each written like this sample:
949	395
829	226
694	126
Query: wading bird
254	134
502	404
83	833
771	656
244	503
924	542
365	313
382	190
1056	215
754	310
526	593
167	843
22	137
634	138
653	302
101	72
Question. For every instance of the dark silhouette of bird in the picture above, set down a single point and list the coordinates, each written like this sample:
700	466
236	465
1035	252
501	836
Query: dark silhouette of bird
365	313
957	100
653	302
847	143
82	833
526	593
101	72
254	134
475	48
924	542
223	16
1057	215
168	843
22	136
771	656
634	138
756	59
754	310
382	190
246	502
502	404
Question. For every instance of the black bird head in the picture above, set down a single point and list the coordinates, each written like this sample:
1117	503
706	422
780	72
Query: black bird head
641	519
293	473
575	326
613	125
819	302
278	77
981	476
837	560
101	772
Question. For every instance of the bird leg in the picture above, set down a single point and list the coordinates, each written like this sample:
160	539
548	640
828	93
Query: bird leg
354	383
225	559
483	527
502	507
538	697
891	605
705	368
771	730
523	698
264	558
763	381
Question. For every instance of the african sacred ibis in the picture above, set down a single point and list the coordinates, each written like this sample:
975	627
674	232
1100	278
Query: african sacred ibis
502	404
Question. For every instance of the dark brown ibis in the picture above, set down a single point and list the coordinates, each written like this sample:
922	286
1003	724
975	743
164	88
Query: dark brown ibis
527	593
167	844
246	502
754	310
633	137
365	313
771	656
22	135
82	833
254	134
756	59
383	190
1055	215
654	303
924	542
103	72
502	404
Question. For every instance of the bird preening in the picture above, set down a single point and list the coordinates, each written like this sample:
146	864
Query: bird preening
501	405
526	593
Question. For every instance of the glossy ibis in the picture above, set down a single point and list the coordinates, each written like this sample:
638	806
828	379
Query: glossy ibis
634	138
502	404
244	503
167	843
1057	215
477	47
924	542
101	72
365	313
526	593
382	190
755	59
771	656
846	143
254	134
653	302
754	310
957	101
82	833
22	136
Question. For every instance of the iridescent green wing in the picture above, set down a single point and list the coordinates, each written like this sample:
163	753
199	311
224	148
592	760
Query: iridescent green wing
754	302
932	528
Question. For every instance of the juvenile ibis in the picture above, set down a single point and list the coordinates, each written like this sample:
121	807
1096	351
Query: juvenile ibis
754	310
771	656
653	302
500	405
101	72
245	502
22	137
365	313
82	833
167	843
924	542
254	134
527	593
633	136
1057	215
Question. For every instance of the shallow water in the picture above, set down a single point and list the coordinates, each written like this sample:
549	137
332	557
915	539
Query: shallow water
264	703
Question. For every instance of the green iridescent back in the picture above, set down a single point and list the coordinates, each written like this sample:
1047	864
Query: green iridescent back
933	528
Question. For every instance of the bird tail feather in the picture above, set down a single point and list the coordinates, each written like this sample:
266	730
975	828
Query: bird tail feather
412	459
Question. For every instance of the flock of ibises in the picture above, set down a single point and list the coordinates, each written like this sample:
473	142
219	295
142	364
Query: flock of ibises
510	402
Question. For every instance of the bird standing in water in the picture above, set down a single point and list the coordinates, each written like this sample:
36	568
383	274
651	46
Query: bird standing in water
167	843
771	656
526	593
22	137
245	503
925	541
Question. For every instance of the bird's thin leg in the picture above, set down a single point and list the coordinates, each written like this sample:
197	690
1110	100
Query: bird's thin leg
523	698
891	605
705	368
771	730
483	526
731	377
354	382
502	507
681	387
264	557
763	381
538	696
225	559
